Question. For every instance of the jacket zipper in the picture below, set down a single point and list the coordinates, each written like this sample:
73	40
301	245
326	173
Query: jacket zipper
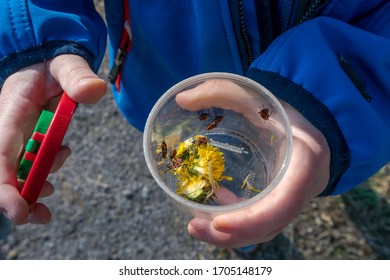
244	33
311	10
286	14
126	38
115	74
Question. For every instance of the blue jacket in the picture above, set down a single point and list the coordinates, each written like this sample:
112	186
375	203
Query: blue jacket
330	59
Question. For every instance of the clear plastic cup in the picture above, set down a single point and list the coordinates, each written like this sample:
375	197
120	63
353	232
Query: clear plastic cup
249	129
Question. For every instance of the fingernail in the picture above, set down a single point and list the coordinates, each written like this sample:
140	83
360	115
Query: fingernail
224	225
201	234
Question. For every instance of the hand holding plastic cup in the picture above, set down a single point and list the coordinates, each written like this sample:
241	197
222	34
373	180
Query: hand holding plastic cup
217	143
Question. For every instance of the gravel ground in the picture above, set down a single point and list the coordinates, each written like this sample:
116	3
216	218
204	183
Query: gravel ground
107	206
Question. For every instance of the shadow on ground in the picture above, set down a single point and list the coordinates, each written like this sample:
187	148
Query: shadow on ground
280	248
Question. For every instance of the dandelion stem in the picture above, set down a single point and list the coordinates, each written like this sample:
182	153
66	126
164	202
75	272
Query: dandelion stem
212	182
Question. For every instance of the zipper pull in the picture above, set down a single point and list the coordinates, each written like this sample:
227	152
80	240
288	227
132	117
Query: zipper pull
116	68
124	48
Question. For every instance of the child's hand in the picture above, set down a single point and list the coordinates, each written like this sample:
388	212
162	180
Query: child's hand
305	178
23	96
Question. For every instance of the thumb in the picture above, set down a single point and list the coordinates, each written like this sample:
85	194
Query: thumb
77	78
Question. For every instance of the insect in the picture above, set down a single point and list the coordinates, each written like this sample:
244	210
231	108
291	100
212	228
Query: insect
177	162
214	123
172	154
204	116
265	114
164	150
202	140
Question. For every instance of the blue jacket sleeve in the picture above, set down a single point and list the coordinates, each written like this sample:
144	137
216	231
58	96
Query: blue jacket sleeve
337	74
35	31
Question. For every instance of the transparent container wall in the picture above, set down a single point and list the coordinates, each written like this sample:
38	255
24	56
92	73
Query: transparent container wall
255	140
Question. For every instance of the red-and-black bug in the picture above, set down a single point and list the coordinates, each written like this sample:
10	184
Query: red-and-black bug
204	116
214	123
202	140
175	163
265	114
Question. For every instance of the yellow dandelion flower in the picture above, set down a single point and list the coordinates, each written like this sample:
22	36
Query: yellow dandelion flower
195	189
202	166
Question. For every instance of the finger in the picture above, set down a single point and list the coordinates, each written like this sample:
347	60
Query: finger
223	196
225	240
77	79
201	229
222	94
47	189
61	157
218	92
40	214
12	205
